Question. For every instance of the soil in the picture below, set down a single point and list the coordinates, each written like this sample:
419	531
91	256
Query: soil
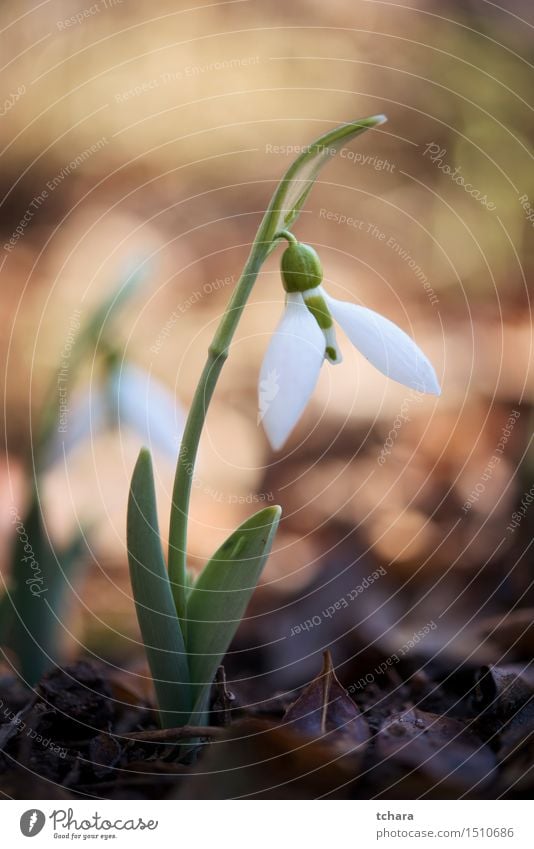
84	733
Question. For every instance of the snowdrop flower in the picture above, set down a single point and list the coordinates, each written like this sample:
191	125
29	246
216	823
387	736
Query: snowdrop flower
143	405
306	336
127	398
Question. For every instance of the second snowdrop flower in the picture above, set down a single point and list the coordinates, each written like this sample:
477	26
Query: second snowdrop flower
306	336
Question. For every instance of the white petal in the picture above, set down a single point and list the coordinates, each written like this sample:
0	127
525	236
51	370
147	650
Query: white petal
289	370
331	344
80	420
147	407
386	346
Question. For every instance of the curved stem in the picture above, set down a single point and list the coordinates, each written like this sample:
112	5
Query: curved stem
283	210
217	354
285	234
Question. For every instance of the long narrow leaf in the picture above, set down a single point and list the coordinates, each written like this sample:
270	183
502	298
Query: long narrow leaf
298	180
156	613
39	589
219	598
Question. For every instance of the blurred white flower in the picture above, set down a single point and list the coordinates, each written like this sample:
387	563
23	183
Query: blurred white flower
128	398
145	406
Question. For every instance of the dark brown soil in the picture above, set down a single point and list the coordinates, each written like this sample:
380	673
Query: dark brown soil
84	734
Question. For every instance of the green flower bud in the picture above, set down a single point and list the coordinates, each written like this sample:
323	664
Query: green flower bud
301	268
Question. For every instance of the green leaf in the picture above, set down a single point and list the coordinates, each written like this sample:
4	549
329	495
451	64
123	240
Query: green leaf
93	334
220	596
33	607
135	274
298	180
156	613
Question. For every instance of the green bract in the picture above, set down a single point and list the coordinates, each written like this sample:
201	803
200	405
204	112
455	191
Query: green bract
187	628
184	653
220	596
161	630
301	268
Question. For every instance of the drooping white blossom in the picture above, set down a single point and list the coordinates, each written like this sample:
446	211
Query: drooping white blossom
305	338
128	399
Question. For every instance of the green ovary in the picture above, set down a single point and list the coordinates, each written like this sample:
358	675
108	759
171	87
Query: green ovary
331	353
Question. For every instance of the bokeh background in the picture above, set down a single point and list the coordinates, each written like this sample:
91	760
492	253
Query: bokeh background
179	119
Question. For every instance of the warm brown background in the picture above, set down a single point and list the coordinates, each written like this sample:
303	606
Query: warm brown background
185	169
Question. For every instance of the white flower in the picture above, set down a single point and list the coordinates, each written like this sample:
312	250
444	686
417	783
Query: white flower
129	398
305	337
145	406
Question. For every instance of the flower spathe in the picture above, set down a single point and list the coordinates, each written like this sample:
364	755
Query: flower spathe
305	338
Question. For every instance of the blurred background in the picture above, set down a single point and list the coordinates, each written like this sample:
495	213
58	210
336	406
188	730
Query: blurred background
155	135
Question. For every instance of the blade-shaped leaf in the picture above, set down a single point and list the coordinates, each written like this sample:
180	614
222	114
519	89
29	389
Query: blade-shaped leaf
33	608
298	180
219	598
156	613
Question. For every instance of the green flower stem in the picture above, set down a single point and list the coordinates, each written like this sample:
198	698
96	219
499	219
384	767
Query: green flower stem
283	210
217	355
285	234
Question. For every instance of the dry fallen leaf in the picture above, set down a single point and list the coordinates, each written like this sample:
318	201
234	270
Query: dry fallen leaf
512	633
325	712
424	754
256	759
516	751
504	689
